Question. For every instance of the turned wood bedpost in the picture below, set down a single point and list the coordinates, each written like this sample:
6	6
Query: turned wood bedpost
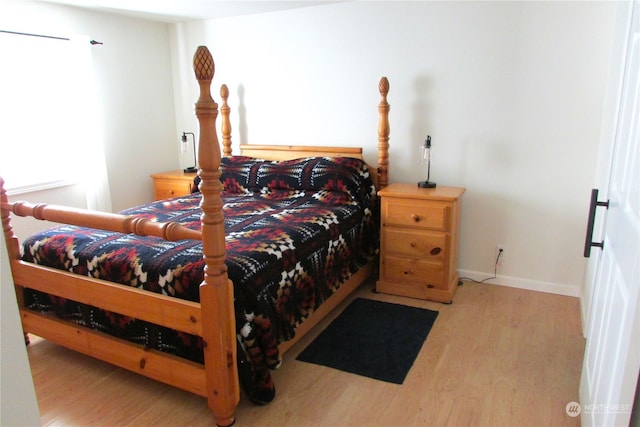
383	134
11	241
216	292
225	126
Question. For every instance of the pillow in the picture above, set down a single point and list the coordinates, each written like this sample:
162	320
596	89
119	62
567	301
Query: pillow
235	172
342	174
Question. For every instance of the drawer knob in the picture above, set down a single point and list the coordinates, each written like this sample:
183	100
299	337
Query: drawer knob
413	244
436	250
415	217
171	192
407	272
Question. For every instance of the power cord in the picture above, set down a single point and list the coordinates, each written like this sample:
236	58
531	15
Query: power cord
495	271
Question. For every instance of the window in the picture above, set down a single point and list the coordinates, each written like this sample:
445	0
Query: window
46	111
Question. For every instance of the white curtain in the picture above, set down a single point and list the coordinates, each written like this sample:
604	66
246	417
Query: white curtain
50	130
95	165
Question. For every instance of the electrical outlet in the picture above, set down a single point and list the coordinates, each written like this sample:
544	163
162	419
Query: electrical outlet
500	256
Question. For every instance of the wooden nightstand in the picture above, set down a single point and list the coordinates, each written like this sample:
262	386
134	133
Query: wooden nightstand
419	241
172	184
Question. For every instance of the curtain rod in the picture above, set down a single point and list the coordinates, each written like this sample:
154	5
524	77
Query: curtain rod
93	42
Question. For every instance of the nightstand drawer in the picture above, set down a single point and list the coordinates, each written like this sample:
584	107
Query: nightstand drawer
416	213
172	184
415	243
165	189
411	270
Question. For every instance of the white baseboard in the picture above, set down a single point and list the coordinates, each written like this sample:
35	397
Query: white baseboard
520	283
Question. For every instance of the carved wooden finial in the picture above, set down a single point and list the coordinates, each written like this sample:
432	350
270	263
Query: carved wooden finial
203	65
383	86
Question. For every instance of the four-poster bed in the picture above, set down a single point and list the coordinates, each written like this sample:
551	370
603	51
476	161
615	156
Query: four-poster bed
210	319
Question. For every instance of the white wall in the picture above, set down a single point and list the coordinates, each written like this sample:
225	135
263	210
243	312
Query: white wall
135	91
511	93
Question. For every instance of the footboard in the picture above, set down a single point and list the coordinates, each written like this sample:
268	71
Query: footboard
177	372
158	309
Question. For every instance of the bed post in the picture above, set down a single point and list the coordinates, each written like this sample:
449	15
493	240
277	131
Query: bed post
11	241
225	126
216	292
383	134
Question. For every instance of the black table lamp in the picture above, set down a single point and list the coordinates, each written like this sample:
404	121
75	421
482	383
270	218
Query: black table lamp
193	168
425	156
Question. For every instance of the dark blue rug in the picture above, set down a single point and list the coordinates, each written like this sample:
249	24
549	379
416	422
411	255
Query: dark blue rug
375	339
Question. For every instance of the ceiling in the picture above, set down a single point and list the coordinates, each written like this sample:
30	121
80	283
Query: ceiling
187	10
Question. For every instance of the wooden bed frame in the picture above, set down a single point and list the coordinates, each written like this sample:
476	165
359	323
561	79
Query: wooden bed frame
212	318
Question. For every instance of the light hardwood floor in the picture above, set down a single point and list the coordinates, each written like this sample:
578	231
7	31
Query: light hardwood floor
497	356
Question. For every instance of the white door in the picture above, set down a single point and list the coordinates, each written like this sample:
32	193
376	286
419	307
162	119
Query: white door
612	354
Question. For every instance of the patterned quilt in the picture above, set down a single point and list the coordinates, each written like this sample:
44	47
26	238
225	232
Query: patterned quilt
295	231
